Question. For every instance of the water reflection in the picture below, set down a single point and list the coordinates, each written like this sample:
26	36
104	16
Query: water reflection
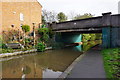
87	45
49	64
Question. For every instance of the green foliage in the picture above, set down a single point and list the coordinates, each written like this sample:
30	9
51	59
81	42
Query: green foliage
40	47
90	40
7	50
27	40
44	38
26	28
61	17
112	62
91	37
90	44
43	26
45	33
98	36
86	15
4	46
51	33
86	37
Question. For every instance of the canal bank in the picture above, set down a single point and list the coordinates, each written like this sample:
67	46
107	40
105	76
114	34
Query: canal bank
89	65
21	52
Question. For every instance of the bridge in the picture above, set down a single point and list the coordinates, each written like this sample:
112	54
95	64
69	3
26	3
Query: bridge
107	24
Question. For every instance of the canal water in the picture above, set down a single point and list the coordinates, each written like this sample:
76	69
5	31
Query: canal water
49	64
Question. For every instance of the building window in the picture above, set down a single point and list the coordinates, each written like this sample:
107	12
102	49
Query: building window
21	17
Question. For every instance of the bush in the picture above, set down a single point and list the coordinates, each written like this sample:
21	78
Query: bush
43	31
26	28
40	47
3	46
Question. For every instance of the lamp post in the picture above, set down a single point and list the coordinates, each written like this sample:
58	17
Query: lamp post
33	34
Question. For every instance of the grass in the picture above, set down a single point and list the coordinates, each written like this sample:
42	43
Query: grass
112	63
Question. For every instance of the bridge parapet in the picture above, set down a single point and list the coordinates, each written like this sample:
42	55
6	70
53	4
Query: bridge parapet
115	20
95	22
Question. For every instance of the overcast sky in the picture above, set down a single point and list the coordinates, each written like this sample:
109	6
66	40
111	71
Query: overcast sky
95	7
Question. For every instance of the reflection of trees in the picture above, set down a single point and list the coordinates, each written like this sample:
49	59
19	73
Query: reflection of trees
33	65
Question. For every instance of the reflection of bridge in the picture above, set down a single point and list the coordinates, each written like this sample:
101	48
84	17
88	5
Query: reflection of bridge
108	25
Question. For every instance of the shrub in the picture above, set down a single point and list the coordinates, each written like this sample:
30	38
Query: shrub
26	28
43	31
3	46
45	34
40	47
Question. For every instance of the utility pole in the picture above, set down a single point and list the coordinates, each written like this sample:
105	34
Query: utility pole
33	34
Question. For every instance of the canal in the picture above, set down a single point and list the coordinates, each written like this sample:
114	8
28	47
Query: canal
49	64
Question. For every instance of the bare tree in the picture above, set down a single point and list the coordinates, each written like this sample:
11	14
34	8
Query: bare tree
49	16
72	14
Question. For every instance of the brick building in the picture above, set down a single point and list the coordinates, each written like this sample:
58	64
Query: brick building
19	12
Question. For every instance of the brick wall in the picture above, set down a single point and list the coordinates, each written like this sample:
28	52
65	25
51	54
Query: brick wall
11	14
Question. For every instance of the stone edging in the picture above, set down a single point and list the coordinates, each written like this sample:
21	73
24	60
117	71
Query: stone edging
20	52
69	69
